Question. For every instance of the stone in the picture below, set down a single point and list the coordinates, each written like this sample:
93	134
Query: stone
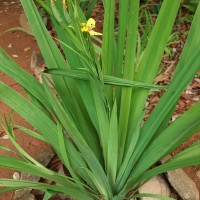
38	65
22	193
198	174
25	194
16	176
45	157
156	185
24	22
183	185
28	196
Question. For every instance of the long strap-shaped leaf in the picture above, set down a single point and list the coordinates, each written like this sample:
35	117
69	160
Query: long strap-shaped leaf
65	87
192	43
151	59
26	80
165	104
81	144
17	164
170	139
122	30
128	73
188	157
41	122
109	80
54	59
19	184
108	45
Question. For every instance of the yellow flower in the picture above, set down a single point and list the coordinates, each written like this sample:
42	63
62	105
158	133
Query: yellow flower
88	26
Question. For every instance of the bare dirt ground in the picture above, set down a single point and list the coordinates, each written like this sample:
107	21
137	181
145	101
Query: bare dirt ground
20	46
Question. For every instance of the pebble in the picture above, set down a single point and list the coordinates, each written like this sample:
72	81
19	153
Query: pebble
183	185
16	176
195	99
198	174
25	194
156	185
27	49
9	46
15	56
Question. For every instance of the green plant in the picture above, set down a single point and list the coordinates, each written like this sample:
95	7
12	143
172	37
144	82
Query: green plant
94	121
88	7
191	5
147	17
187	10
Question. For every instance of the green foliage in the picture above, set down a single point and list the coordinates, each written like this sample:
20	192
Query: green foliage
88	7
94	122
187	11
190	5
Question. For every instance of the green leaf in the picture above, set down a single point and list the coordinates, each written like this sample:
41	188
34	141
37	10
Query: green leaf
48	194
8	149
17	164
149	65
177	133
108	45
188	157
128	73
18	184
109	80
31	133
113	146
102	114
157	196
77	138
41	122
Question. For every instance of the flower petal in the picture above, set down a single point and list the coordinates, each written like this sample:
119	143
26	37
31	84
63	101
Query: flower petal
91	23
91	32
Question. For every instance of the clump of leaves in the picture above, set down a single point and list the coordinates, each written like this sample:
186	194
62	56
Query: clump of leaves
94	122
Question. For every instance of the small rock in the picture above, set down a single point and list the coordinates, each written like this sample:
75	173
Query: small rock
4	137
21	193
156	185
183	185
174	117
198	174
24	194
28	196
181	104
195	99
15	56
189	92
45	157
29	177
9	46
174	49
5	3
16	176
24	22
27	49
197	80
38	65
189	87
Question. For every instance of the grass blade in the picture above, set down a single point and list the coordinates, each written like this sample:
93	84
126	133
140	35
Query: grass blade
113	147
